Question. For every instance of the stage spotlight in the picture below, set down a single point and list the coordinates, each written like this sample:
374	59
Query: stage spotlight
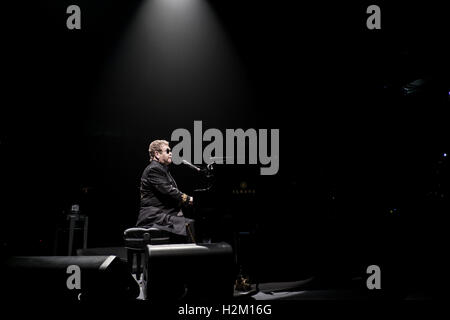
174	61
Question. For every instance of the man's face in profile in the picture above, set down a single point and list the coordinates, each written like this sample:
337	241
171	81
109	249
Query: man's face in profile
165	155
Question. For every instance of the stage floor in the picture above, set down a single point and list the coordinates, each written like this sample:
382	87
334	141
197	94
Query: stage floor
310	288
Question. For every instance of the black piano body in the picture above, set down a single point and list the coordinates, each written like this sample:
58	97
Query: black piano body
227	201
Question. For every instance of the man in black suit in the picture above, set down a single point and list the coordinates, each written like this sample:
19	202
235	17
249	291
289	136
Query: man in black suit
161	201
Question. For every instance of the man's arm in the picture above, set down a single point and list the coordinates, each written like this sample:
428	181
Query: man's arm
158	178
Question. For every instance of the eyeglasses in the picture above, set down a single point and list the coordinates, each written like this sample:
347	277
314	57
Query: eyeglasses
168	150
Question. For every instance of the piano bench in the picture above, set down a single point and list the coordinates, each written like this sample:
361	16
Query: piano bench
136	239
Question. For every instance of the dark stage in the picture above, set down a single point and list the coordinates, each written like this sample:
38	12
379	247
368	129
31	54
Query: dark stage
319	131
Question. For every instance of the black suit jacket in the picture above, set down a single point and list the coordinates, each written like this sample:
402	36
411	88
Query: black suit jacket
161	201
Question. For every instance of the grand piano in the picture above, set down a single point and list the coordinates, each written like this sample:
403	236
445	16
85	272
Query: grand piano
227	201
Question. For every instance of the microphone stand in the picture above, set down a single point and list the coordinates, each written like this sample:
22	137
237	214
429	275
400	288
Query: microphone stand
208	172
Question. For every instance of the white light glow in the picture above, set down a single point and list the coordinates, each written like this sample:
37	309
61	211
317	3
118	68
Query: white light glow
174	59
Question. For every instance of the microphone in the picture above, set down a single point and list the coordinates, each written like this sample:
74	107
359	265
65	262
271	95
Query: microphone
190	165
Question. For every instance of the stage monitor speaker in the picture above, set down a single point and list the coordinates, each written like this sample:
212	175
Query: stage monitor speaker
67	278
189	272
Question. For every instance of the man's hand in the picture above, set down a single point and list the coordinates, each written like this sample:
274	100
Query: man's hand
191	201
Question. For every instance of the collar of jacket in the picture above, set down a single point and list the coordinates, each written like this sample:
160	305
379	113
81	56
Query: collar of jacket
165	168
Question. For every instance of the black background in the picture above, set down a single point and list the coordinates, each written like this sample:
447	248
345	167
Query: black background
351	146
